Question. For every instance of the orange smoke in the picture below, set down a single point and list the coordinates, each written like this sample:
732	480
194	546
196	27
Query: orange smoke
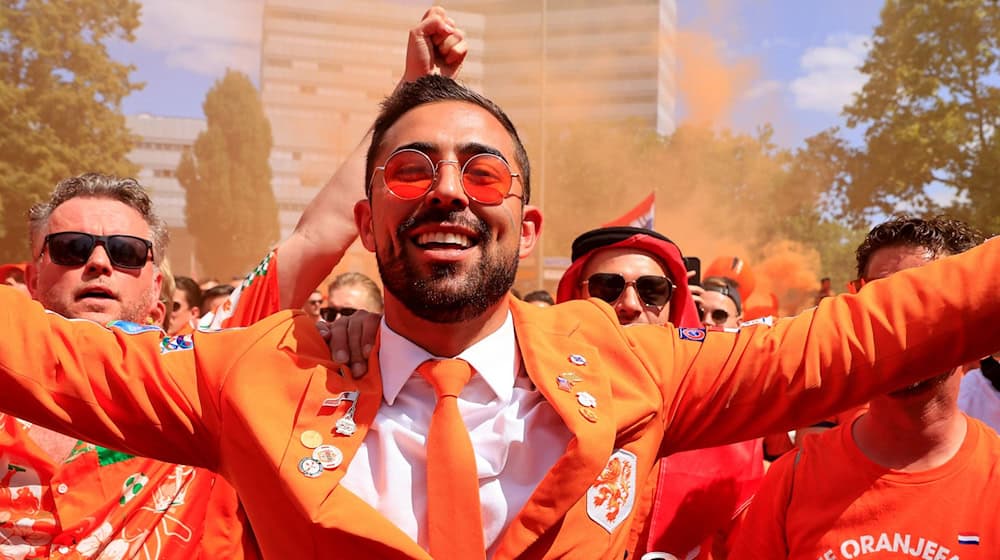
708	84
791	272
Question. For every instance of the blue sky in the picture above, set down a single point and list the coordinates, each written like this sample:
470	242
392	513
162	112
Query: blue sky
804	54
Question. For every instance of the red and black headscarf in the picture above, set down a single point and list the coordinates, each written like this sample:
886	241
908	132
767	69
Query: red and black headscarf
683	312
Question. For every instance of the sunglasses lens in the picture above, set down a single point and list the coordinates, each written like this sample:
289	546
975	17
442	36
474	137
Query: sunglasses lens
328	314
408	174
720	316
177	306
654	290
606	286
486	179
127	251
70	248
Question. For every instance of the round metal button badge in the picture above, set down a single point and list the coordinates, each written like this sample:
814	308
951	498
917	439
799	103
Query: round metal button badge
310	467
328	456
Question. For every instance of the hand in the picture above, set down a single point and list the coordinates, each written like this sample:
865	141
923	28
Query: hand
351	339
436	46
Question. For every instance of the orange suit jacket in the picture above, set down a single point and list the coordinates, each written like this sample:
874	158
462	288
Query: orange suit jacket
237	401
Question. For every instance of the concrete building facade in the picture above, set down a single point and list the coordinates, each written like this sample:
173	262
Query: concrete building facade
160	141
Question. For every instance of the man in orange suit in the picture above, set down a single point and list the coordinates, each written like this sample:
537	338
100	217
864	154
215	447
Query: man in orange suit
565	413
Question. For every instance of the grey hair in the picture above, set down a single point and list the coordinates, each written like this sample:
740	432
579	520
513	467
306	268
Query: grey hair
96	185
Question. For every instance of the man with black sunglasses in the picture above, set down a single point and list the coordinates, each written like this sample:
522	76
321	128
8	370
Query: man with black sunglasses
641	273
349	292
720	304
97	249
544	424
637	271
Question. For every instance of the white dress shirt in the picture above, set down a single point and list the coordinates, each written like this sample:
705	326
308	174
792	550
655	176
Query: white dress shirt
500	407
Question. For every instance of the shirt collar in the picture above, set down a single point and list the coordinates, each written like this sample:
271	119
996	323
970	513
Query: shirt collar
495	358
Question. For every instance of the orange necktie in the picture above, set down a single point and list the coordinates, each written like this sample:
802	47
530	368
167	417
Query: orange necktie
455	524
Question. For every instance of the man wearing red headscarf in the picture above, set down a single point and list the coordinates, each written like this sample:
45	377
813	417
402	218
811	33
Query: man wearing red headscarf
641	273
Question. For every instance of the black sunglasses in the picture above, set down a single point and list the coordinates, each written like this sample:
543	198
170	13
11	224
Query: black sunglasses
73	248
719	316
652	290
329	314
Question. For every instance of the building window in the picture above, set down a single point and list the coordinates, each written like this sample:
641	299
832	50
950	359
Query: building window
163	173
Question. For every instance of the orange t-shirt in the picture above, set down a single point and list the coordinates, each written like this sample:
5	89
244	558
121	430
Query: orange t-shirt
830	502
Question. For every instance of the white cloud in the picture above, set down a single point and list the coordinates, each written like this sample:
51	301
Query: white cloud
763	88
204	36
831	73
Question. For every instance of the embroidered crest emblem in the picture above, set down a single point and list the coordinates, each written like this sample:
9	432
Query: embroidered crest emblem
611	498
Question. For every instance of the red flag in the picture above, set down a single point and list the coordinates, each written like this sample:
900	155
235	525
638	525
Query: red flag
641	216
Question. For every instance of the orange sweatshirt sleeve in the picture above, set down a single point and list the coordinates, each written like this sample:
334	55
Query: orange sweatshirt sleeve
761	533
126	387
721	387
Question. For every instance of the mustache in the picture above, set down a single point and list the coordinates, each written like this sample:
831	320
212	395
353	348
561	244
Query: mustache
444	215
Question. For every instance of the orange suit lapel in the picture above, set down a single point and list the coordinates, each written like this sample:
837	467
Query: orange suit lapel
320	495
571	377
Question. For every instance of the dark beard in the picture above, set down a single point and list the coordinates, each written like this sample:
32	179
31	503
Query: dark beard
921	387
430	298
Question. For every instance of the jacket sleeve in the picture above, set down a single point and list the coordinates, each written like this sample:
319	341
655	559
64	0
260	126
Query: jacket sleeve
126	387
761	534
721	387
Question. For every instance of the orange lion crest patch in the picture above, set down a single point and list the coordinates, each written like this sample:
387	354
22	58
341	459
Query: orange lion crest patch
611	498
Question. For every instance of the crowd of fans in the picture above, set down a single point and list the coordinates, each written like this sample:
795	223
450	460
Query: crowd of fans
648	415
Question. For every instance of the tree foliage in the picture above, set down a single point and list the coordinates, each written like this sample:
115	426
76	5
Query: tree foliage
929	111
230	207
60	102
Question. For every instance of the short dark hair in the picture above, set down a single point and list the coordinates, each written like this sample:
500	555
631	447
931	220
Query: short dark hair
432	89
539	295
191	289
96	185
216	291
940	235
725	286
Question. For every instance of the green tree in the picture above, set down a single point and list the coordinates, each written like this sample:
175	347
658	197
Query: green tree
60	102
230	207
930	111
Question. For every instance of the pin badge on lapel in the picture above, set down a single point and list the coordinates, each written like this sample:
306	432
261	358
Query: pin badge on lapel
311	439
567	380
589	414
577	360
346	425
328	456
586	399
310	467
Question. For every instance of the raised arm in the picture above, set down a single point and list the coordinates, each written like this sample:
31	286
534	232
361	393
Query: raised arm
722	387
326	228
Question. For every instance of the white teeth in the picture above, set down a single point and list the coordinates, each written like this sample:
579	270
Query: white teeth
443	237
